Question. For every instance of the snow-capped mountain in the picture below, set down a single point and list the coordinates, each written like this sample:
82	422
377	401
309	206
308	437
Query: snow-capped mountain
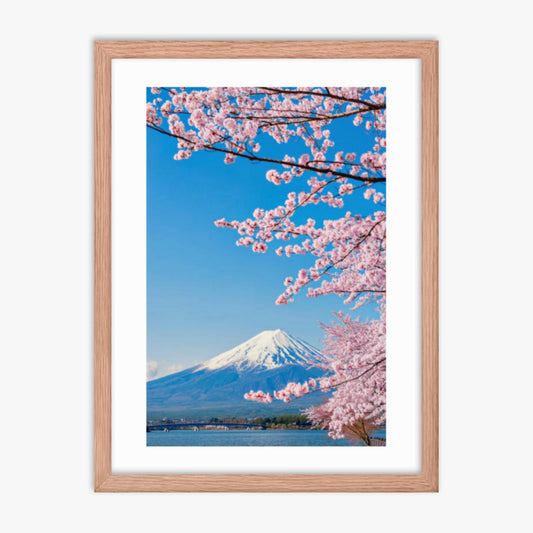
270	349
216	387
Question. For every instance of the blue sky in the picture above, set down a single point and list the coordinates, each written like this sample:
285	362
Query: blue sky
204	294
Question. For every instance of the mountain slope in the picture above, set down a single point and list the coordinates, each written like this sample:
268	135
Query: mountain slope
216	387
268	350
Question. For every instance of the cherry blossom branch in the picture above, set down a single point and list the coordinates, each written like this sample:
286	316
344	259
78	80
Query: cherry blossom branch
366	179
328	95
292	391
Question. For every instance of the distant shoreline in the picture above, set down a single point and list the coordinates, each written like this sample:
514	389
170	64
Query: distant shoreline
150	430
376	440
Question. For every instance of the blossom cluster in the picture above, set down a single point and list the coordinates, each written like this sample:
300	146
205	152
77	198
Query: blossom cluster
231	119
355	376
349	252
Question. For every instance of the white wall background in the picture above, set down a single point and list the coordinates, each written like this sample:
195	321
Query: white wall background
46	265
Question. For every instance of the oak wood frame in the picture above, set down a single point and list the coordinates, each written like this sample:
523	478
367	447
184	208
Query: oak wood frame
105	480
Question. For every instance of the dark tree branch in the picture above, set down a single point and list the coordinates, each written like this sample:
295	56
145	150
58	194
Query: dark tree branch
367	179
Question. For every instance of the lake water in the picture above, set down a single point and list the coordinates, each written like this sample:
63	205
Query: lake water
245	438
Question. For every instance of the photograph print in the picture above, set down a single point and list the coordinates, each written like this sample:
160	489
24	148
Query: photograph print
266	266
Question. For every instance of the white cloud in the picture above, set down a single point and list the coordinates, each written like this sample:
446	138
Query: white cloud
151	369
154	369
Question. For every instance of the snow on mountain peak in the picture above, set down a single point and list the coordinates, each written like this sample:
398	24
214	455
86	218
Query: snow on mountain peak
267	350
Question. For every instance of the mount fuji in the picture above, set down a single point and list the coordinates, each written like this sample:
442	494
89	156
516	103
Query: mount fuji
216	387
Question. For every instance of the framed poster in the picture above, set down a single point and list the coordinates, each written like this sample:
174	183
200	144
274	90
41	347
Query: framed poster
266	301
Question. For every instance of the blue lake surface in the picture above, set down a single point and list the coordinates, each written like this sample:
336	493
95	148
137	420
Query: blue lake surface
245	438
